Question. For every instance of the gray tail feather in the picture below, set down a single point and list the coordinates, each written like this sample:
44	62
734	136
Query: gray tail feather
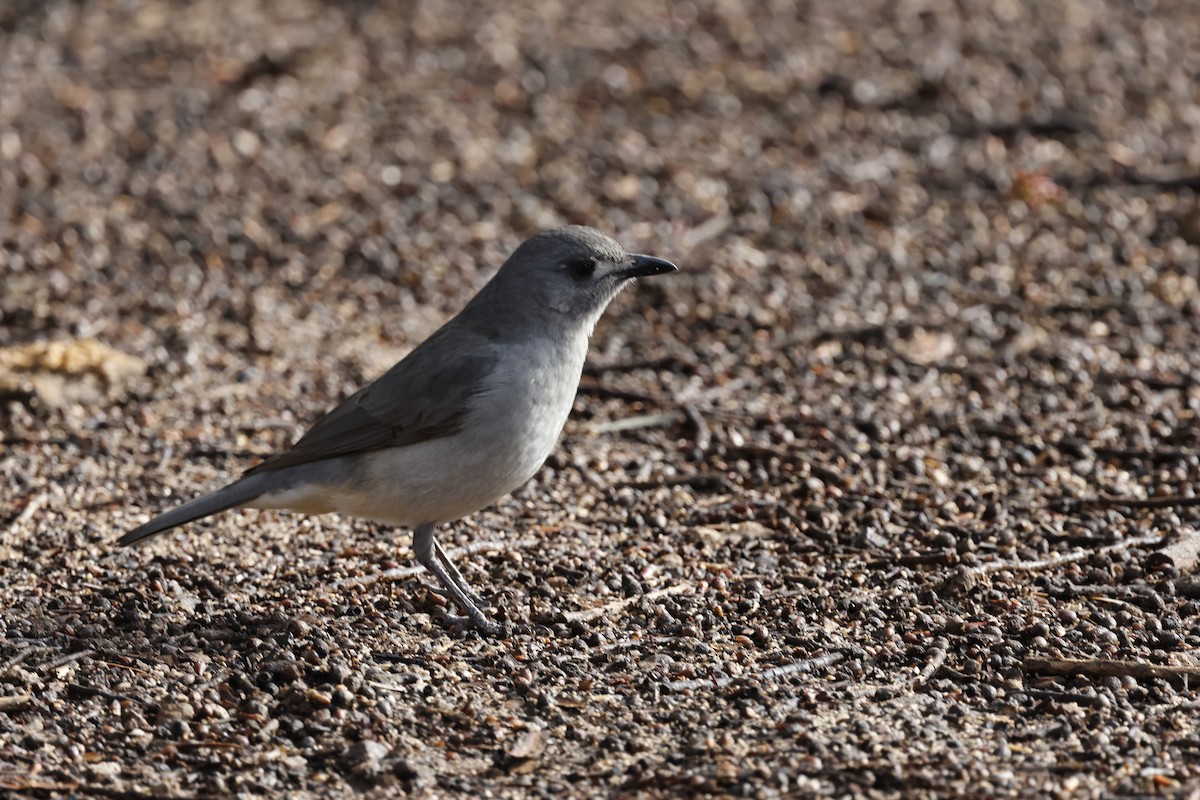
235	494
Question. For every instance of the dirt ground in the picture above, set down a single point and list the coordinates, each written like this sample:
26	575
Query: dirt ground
889	491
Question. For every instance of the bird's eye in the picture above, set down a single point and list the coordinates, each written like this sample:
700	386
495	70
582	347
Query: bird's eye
581	269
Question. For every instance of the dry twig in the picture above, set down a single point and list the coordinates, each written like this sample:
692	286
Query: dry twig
72	788
797	667
1065	558
705	481
1105	668
25	653
15	702
942	558
620	605
1132	503
63	660
703	435
937	655
766	676
638	422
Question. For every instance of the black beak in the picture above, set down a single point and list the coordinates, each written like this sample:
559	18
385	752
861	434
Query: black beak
644	266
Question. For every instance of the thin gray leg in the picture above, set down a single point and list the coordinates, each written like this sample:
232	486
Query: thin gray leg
457	576
425	547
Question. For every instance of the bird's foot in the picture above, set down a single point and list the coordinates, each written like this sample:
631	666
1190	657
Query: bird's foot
485	626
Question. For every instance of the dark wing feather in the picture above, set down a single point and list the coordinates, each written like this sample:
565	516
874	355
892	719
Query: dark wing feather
423	397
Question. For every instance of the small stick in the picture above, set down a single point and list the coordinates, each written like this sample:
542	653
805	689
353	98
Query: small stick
943	557
936	658
212	743
15	702
761	453
703	435
1105	668
25	653
711	228
797	667
119	665
1160	454
640	421
32	506
1065	558
1065	697
703	481
1163	501
766	676
80	690
62	661
617	606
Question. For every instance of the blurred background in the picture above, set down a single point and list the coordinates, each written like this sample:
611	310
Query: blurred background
937	293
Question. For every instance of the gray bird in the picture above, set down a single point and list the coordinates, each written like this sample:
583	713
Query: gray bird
464	419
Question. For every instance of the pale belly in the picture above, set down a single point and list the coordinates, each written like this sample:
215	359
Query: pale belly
506	437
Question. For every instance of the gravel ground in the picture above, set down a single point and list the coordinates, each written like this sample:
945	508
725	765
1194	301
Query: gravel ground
888	491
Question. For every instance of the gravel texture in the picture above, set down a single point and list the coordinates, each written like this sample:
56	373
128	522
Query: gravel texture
888	491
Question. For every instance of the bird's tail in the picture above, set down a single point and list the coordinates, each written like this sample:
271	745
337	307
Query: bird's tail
235	494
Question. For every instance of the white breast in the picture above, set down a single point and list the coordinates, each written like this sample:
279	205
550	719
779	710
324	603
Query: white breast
510	429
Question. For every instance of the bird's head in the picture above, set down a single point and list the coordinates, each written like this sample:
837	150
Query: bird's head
573	272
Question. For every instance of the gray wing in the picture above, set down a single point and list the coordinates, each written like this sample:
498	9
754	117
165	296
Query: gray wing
421	398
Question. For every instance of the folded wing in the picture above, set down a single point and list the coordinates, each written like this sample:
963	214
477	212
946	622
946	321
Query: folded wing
423	397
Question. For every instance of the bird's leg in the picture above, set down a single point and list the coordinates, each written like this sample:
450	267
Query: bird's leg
459	580
426	548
